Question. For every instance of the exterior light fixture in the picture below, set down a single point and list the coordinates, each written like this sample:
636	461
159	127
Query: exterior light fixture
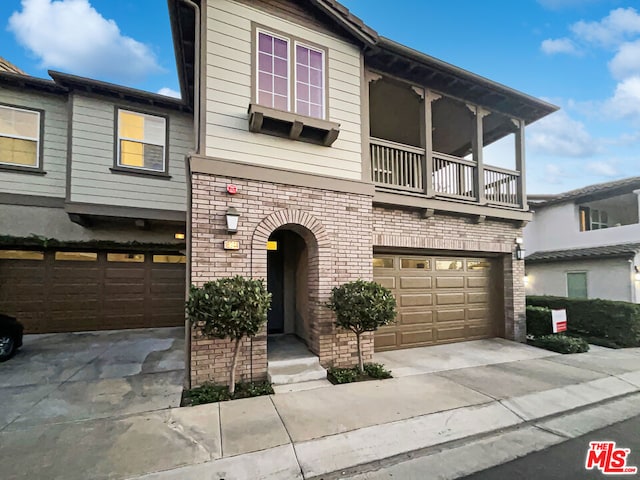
526	280
520	251
232	220
636	275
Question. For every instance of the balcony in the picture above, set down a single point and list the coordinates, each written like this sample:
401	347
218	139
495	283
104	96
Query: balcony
404	168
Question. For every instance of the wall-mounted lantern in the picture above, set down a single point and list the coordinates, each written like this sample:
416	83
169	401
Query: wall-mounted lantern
636	275
526	280
233	216
520	251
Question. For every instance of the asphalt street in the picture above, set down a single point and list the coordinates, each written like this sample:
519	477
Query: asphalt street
566	461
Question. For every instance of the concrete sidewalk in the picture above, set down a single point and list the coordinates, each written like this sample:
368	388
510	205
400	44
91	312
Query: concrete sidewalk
313	433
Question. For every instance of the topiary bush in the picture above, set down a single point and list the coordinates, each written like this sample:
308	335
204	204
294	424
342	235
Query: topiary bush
539	321
362	306
561	343
232	308
612	321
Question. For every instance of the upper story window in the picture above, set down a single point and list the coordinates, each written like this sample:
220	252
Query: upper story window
20	137
592	219
142	141
291	75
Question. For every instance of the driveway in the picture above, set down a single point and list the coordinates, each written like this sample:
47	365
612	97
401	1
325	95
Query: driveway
69	377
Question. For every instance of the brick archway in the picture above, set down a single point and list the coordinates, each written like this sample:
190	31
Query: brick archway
319	277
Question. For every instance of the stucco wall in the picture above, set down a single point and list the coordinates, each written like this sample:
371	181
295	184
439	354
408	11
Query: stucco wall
557	227
610	279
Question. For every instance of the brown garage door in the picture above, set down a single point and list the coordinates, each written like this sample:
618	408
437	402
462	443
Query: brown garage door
75	291
440	299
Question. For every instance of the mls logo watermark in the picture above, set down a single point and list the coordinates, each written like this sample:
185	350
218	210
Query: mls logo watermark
609	459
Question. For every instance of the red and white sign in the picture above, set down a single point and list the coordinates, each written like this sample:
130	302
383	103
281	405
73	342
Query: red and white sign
232	189
559	320
608	459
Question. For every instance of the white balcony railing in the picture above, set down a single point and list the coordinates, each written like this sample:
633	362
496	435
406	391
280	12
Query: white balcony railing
403	167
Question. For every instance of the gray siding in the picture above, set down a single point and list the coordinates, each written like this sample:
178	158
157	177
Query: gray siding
54	157
92	181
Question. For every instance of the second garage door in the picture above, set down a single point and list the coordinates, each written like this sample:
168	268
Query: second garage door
440	299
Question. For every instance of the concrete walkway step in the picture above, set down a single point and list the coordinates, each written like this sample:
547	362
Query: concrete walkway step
302	386
296	370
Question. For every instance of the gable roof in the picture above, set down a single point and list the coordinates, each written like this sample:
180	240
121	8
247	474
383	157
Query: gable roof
597	191
380	53
6	66
623	250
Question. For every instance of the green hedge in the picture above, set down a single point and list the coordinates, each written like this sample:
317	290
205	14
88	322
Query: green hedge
561	344
538	321
617	322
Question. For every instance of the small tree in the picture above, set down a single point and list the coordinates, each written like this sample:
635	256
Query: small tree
232	308
360	307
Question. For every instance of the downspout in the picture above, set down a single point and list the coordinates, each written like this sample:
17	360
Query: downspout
196	130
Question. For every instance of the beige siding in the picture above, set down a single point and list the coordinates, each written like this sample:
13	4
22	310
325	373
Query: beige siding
228	94
93	155
54	157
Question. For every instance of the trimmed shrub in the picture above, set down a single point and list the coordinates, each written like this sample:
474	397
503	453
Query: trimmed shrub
210	393
376	370
362	306
561	343
372	371
617	322
539	321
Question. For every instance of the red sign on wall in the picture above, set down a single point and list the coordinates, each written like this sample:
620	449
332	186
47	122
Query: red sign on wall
232	189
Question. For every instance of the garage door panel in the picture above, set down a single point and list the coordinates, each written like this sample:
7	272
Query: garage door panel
415	282
387	282
385	340
416	300
447	301
478	297
417	337
451	333
450	315
130	288
449	282
413	318
124	272
449	298
477	282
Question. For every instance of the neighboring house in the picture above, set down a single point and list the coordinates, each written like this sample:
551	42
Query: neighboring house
586	243
92	195
354	157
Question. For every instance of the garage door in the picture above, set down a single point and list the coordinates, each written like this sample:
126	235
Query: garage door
440	299
61	291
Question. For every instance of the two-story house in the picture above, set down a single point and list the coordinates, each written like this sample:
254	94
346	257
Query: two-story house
327	153
586	243
92	204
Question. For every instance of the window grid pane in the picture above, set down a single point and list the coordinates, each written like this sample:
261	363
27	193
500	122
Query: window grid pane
309	82
142	140
273	71
19	136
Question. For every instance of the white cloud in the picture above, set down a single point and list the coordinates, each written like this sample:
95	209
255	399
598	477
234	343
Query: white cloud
552	46
625	102
626	61
71	35
169	92
602	169
613	29
560	135
554	174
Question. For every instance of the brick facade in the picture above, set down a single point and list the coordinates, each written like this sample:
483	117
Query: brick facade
341	231
328	221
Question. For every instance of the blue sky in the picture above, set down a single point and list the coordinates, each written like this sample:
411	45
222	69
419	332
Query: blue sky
583	55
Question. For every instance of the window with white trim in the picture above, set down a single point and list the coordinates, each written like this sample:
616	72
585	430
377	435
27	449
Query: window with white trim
19	137
141	141
290	75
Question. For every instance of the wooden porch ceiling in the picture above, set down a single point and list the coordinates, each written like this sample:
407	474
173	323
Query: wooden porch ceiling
421	69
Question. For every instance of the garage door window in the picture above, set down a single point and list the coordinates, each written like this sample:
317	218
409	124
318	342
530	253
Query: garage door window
77	256
383	262
449	265
474	265
21	255
577	285
169	259
415	263
125	257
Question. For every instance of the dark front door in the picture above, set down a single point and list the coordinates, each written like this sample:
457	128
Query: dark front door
275	285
